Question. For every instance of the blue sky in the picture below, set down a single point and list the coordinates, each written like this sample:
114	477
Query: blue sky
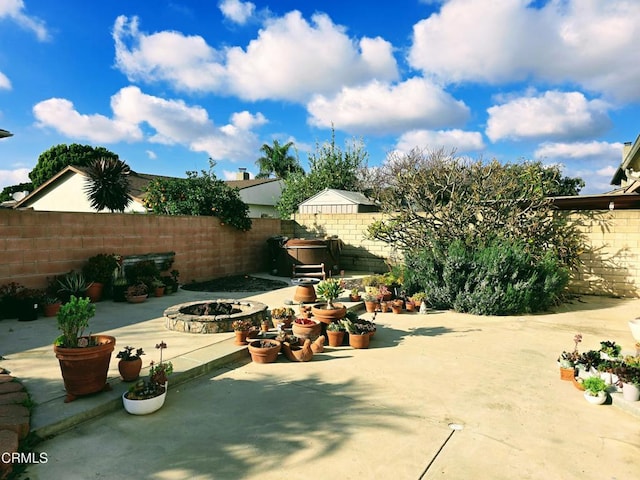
168	84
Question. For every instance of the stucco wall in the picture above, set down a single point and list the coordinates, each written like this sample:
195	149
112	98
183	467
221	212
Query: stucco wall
35	245
611	266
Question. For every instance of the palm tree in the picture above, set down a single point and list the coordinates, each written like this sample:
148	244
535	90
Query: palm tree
108	184
277	160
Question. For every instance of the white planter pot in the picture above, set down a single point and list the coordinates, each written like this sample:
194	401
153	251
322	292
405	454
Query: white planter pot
599	400
630	392
634	325
144	407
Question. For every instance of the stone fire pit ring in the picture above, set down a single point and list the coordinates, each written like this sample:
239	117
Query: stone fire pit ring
178	320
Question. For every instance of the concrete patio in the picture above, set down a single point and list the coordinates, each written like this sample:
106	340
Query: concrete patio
385	412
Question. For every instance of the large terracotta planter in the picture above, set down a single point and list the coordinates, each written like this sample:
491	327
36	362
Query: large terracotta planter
328	315
371	307
84	370
264	351
359	341
94	291
130	369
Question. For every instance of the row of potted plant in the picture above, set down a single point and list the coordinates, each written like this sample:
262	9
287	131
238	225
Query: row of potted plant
597	371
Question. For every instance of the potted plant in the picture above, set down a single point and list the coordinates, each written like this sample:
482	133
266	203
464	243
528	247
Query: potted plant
329	290
335	333
359	335
148	395
158	287
372	282
304	328
27	303
628	373
371	302
397	305
137	293
84	360
282	317
264	351
587	363
609	350
99	271
9	299
419	301
354	296
72	284
567	360
242	328
130	363
595	390
50	305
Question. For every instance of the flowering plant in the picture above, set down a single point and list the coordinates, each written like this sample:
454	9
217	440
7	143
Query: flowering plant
569	359
154	385
242	325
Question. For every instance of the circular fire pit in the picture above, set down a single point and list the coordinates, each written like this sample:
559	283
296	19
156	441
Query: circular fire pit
213	316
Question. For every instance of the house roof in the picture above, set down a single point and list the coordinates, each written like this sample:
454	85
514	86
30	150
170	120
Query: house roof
345	197
619	199
137	181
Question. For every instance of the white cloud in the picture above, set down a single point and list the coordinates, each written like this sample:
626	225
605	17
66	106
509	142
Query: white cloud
14	177
16	11
290	59
585	42
605	150
553	115
237	11
151	154
59	114
381	108
5	83
172	122
430	140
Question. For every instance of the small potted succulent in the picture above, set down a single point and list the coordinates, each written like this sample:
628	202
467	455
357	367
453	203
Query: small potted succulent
158	287
371	302
50	305
99	271
282	316
567	360
628	373
609	350
130	363
595	390
148	395
354	295
137	293
335	333
72	284
242	329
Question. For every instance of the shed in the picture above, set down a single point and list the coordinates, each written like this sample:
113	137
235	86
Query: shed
331	200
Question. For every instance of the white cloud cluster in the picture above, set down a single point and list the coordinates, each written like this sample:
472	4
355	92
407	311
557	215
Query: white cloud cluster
382	108
5	83
587	42
237	11
172	121
552	115
14	177
15	10
290	59
458	140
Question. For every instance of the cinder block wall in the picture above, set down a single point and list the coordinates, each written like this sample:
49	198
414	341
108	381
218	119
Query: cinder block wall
36	245
610	267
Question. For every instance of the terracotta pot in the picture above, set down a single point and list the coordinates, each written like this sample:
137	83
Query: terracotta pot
355	298
286	322
158	291
359	341
371	306
335	338
567	373
136	298
84	370
264	351
311	331
410	306
130	369
94	291
328	315
577	384
396	306
384	307
241	337
51	309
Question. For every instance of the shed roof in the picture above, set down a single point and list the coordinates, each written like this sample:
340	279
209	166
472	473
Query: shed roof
332	196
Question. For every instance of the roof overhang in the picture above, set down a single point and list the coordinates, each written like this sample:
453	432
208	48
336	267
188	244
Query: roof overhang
5	133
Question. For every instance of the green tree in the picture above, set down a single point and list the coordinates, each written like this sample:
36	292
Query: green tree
56	158
108	184
7	192
202	194
330	167
277	161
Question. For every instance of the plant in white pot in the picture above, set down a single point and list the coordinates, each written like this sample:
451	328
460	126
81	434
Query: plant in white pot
84	359
595	390
628	373
328	312
148	395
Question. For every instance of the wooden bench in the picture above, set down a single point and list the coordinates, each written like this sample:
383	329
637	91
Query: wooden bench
309	271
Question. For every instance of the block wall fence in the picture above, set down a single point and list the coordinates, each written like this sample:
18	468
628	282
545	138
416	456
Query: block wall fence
611	266
35	245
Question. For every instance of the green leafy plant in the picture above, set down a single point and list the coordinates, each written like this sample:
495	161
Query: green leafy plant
73	318
610	348
282	313
336	327
100	268
594	385
329	289
73	284
127	354
108	184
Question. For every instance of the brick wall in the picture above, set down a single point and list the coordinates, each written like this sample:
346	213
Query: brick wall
610	267
35	245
